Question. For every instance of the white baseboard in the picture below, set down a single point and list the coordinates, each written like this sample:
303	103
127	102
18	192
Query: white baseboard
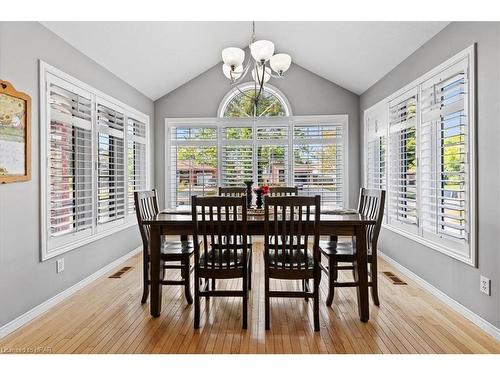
461	309
45	306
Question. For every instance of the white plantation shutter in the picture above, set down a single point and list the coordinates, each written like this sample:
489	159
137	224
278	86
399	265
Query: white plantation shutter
318	161
376	163
445	193
303	151
237	154
111	163
272	153
91	146
193	162
376	131
136	159
402	177
70	202
431	158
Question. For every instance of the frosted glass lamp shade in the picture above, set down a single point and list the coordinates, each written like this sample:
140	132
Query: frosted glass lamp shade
235	74
233	56
262	50
258	77
280	62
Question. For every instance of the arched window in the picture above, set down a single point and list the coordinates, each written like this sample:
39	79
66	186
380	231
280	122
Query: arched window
239	103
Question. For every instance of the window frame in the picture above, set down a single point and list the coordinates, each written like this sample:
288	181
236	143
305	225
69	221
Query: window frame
46	73
442	245
219	123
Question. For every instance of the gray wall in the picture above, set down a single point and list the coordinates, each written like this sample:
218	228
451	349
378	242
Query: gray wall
25	281
307	93
459	281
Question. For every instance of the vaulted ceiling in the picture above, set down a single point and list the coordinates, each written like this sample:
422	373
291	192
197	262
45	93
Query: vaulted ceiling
158	57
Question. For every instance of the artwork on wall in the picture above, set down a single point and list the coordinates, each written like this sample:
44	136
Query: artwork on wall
15	134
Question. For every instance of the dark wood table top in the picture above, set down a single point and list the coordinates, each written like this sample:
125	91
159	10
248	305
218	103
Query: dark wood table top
184	218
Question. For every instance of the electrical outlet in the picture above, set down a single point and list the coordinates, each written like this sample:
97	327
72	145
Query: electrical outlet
484	285
60	265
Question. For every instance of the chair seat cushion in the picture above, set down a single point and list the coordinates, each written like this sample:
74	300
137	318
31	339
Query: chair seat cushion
280	259
215	257
177	247
339	249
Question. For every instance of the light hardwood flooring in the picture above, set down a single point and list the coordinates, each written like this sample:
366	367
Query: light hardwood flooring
107	317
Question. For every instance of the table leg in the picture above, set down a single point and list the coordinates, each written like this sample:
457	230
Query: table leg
361	273
157	270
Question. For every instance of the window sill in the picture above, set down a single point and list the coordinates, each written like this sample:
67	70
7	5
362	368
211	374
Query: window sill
48	254
469	260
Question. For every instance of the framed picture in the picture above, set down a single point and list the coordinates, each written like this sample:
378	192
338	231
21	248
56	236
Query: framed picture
15	134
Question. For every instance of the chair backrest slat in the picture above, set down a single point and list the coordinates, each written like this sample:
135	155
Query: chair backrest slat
222	224
146	206
280	191
289	221
371	205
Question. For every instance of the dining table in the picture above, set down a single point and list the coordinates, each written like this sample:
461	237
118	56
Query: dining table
332	224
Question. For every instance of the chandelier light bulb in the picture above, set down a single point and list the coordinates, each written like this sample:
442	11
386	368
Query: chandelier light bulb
280	63
236	73
258	76
233	56
262	50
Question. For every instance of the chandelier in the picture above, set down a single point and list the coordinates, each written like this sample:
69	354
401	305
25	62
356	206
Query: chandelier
262	54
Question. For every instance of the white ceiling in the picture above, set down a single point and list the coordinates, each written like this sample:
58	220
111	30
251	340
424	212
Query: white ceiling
158	57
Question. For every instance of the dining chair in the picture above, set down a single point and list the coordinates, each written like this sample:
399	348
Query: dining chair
238	192
290	223
370	204
222	252
283	191
174	254
232	191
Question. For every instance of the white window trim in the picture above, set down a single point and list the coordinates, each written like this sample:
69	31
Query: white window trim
97	233
290	120
470	54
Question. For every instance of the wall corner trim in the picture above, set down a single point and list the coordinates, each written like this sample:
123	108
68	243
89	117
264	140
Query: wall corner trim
42	308
483	324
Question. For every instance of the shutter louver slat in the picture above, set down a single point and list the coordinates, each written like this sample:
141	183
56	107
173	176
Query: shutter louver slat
111	165
272	154
70	162
445	188
193	163
136	159
237	156
402	174
318	166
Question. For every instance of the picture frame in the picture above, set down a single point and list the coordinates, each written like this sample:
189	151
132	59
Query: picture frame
15	134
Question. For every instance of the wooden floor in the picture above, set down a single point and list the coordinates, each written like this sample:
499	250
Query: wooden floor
107	317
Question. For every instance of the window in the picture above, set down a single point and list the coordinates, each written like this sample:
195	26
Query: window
239	103
376	145
304	151
403	161
445	155
272	153
110	164
85	169
193	161
136	159
318	160
430	175
237	153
